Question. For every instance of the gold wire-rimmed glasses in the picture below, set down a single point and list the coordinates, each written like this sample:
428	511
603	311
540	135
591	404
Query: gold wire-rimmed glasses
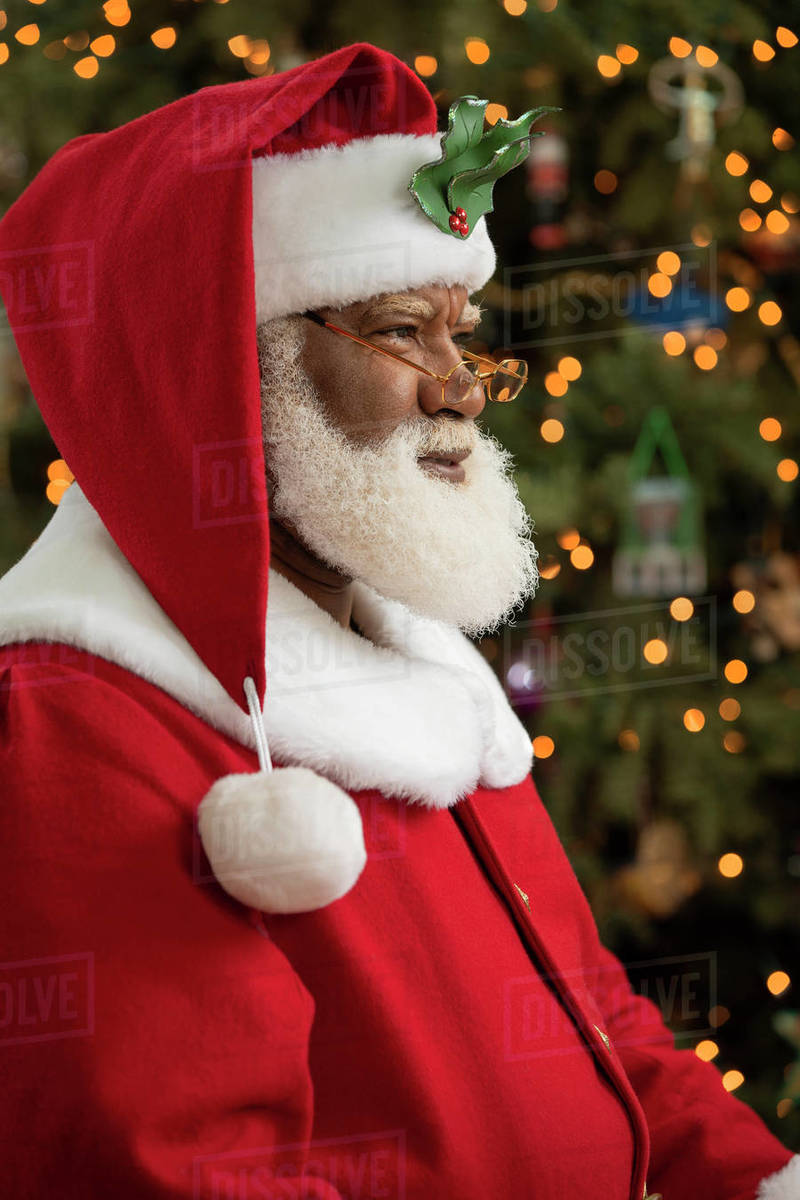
502	382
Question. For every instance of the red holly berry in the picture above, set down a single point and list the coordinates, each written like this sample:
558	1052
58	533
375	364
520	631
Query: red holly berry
461	214
455	223
464	229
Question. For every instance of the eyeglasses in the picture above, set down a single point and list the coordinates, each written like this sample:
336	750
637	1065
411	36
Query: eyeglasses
502	381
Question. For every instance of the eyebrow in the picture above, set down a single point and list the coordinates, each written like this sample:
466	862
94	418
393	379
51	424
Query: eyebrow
411	306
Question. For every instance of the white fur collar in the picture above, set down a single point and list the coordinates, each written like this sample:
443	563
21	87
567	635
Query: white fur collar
415	711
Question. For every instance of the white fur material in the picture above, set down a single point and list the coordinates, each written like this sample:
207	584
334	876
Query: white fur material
338	224
411	709
284	841
784	1184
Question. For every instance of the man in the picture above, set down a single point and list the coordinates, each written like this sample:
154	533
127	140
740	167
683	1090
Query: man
365	969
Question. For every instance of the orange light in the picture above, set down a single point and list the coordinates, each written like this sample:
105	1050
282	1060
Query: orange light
674	343
628	739
734	742
778	982
763	51
117	12
543	746
784	37
626	54
28	35
77	41
239	45
694	719
787	470
515	8
259	53
706	57
705	357
717	338
555	384
769	313
659	285
569	539
668	262
736	163
749	220
681	608
655	651
760	191
706	1050
790	203
495	113
608	66
718	1015
87	67
551	430
582	557
425	65
730	865
776	222
550	569
55	490
770	429
679	47
784	1106
700	235
58	469
477	50
743	601
605	182
782	139
738	299
735	670
729	709
731	1080
104	45
3	53
570	368
165	37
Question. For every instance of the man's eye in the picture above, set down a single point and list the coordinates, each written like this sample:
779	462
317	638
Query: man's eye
463	339
399	331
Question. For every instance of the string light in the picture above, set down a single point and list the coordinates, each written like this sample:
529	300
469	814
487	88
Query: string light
86	67
3	53
674	343
770	429
654	651
668	262
787	470
28	35
626	54
694	719
551	430
743	601
117	12
731	1080
738	299
782	139
700	235
103	46
543	746
790	203
569	539
495	113
730	865
736	163
763	51
550	568
555	383
729	709
605	182
239	45
659	285
628	739
776	222
515	8
706	57
77	41
165	37
679	47
760	191
734	742
259	54
426	65
582	557
569	368
705	357
706	1050
608	66
477	50
769	313
735	670
778	982
717	338
718	1015
681	608
784	37
749	220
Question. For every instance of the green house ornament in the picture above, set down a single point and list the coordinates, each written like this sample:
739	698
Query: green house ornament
456	189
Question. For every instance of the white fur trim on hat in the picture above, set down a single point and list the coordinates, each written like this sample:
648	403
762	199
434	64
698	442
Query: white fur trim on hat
338	224
283	841
784	1184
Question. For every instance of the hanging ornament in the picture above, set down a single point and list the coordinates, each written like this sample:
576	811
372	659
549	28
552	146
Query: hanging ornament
662	876
773	623
547	170
660	552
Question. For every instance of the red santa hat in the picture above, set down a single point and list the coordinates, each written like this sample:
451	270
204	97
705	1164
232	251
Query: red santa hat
176	234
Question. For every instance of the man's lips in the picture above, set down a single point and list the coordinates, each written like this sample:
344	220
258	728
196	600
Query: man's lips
447	466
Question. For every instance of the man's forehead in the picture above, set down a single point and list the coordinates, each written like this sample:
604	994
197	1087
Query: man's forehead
413	303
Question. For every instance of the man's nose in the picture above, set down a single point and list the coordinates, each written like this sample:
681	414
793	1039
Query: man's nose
434	396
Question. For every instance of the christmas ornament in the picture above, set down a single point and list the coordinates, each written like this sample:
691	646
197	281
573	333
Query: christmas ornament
456	189
774	621
661	877
660	553
700	108
548	175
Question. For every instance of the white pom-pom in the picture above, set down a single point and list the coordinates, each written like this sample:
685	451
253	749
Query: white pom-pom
282	841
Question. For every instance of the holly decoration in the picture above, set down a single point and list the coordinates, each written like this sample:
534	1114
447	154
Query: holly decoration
456	189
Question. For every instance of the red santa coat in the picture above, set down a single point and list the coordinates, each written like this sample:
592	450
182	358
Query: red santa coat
451	1027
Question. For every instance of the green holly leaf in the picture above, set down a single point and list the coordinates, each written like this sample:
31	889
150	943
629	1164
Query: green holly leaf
472	161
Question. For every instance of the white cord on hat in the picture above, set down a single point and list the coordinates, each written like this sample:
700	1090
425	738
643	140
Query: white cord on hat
264	760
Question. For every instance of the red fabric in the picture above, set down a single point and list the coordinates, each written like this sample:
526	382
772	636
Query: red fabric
425	1036
127	271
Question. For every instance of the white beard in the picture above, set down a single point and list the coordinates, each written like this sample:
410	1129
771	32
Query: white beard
456	552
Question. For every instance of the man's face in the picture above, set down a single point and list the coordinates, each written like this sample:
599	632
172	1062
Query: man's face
346	433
